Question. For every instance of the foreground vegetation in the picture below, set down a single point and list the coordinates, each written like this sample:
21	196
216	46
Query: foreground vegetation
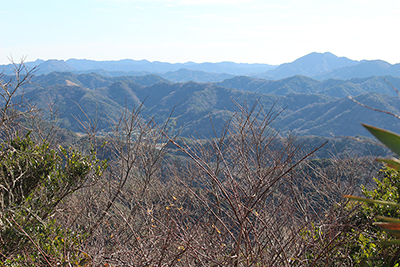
245	197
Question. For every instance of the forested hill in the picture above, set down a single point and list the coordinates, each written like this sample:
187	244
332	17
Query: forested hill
306	106
306	85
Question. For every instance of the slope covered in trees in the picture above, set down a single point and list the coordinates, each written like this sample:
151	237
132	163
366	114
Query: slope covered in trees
307	106
306	85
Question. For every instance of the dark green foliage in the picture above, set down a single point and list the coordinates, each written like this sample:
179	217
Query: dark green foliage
33	181
368	250
20	157
387	189
374	248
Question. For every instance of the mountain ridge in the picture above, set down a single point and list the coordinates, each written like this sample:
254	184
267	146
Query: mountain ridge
309	65
307	85
320	66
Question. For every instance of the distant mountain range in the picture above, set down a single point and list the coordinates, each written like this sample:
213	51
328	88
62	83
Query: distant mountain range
141	67
319	66
307	106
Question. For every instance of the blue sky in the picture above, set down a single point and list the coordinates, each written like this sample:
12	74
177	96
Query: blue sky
251	31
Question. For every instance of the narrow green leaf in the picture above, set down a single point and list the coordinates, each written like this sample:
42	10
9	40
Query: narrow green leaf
388	219
391	242
389	139
393	163
374	201
393	228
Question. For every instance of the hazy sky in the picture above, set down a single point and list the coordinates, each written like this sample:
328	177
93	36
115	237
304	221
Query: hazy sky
252	31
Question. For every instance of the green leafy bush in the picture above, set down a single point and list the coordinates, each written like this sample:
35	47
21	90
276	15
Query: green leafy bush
34	179
382	204
369	248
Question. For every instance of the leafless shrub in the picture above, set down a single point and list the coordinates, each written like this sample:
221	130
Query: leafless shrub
14	107
330	224
247	197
